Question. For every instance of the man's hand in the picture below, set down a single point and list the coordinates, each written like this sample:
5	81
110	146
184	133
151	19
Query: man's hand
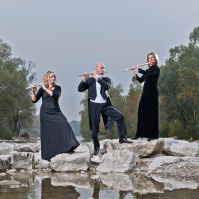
94	75
86	76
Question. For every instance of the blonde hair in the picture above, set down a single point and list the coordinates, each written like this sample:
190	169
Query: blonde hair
155	56
47	77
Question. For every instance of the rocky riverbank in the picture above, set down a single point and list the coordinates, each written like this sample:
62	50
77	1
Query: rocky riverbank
160	158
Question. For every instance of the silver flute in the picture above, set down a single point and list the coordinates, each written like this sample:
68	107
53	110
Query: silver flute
36	85
90	74
134	67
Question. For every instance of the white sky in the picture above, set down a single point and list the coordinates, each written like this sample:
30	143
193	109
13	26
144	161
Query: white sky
71	36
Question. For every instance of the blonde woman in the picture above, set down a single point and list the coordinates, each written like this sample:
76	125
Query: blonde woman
147	126
56	133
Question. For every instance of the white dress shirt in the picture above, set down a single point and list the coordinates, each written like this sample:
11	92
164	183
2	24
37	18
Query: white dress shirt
99	98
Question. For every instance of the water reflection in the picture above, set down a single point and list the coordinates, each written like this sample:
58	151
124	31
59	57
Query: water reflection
43	185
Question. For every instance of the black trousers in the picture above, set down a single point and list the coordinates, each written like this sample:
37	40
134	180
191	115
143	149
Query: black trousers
108	110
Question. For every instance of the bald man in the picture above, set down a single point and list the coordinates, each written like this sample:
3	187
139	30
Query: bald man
99	103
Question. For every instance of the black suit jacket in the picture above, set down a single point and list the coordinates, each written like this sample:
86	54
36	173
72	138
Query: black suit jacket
90	84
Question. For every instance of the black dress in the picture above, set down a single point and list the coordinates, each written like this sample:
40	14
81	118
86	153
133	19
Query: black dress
56	133
147	125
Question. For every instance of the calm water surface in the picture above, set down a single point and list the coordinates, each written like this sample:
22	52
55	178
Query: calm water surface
27	185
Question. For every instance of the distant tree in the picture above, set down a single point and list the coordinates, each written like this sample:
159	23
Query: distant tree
179	89
131	107
16	108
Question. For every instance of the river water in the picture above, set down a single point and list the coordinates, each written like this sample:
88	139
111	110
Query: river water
48	185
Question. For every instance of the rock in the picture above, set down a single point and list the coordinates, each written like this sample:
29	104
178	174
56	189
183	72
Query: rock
6	148
9	182
96	159
180	148
141	147
175	166
4	162
25	148
39	163
22	160
11	171
118	161
77	161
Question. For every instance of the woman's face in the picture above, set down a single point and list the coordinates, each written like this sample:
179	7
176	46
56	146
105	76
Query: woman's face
52	77
151	60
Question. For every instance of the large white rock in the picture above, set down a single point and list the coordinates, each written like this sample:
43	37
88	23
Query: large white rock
118	161
180	148
77	161
22	160
6	148
4	162
28	147
175	166
141	147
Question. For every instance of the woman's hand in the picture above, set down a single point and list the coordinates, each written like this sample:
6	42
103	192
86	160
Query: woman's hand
133	72
34	89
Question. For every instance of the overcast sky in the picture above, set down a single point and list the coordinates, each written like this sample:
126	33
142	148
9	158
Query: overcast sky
71	36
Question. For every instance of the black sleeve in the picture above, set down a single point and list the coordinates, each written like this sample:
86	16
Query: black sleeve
82	86
140	79
105	83
38	95
56	92
155	70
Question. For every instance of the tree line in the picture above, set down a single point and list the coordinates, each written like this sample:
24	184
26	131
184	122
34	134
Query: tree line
178	96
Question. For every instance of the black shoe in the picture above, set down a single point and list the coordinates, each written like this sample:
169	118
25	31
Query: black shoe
95	152
150	139
135	138
124	140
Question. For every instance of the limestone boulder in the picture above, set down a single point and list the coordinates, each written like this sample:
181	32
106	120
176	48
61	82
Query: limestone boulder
141	147
6	148
22	160
118	161
4	162
77	161
28	147
174	166
180	148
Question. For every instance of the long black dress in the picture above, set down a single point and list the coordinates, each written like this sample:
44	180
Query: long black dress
56	133
147	125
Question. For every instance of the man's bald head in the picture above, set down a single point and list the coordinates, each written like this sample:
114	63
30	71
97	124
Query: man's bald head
100	68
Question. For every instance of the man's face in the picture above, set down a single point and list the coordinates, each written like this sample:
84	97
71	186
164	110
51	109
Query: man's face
100	68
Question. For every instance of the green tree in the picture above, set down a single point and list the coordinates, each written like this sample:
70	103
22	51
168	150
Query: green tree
16	108
179	89
131	107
